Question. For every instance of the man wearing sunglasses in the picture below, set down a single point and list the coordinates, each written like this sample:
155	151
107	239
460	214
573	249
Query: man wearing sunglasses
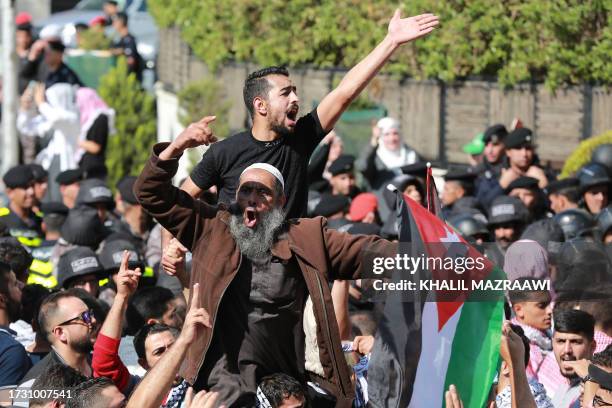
70	327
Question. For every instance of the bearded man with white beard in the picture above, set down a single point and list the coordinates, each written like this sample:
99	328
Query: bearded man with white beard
255	271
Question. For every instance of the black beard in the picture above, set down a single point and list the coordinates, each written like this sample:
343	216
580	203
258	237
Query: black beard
281	130
83	346
13	311
257	242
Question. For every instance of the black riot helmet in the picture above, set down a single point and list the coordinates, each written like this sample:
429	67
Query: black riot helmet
576	223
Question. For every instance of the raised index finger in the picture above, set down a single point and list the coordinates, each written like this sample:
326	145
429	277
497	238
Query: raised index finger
207	119
195	298
124	261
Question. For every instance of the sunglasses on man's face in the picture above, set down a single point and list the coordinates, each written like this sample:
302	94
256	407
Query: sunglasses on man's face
86	317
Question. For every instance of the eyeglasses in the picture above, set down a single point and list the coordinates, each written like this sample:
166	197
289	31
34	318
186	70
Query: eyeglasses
86	317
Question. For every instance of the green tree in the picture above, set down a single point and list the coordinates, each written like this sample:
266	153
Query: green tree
557	41
203	98
582	154
135	122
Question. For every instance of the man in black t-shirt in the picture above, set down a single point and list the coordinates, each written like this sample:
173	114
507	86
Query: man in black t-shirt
126	45
278	137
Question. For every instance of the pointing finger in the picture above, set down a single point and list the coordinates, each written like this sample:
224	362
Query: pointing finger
207	119
195	298
124	261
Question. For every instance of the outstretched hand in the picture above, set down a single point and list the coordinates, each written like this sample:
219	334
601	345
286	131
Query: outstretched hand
127	279
403	30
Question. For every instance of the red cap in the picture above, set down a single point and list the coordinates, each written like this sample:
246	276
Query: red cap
23	18
99	20
361	205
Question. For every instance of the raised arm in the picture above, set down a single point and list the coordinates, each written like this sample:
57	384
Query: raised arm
173	208
401	31
106	361
158	381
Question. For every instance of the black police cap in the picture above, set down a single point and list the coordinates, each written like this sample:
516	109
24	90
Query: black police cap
496	133
343	164
39	172
69	176
518	138
331	204
54	207
20	176
125	187
465	176
417	169
527	182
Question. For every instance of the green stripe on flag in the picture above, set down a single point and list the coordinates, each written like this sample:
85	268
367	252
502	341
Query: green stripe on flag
475	351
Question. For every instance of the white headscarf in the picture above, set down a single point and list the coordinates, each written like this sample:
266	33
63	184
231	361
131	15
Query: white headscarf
62	116
393	158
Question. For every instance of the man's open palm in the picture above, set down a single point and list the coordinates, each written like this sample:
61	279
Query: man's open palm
403	30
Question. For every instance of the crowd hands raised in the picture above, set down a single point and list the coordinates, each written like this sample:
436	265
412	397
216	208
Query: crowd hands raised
94	292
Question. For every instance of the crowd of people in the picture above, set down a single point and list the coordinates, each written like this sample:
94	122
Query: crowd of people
242	287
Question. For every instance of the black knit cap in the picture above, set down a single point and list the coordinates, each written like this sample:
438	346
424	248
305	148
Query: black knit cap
18	177
78	262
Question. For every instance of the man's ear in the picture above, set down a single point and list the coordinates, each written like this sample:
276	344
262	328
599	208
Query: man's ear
504	369
282	200
3	301
260	106
143	363
518	310
59	333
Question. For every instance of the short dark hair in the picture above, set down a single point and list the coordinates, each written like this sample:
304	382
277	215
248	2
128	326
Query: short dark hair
87	394
519	296
54	221
277	387
147	303
58	377
256	85
603	358
574	321
148	329
521	333
121	16
571	193
32	297
601	310
15	254
5	269
48	308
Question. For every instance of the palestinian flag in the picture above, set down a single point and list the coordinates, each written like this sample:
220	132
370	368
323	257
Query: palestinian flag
438	337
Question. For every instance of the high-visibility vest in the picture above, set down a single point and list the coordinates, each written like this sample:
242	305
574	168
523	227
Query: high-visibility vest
41	272
27	237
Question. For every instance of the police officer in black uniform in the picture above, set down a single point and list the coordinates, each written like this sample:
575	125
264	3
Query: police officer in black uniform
126	45
18	217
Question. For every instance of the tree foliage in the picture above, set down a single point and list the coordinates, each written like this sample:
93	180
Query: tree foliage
200	99
558	41
582	154
135	122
